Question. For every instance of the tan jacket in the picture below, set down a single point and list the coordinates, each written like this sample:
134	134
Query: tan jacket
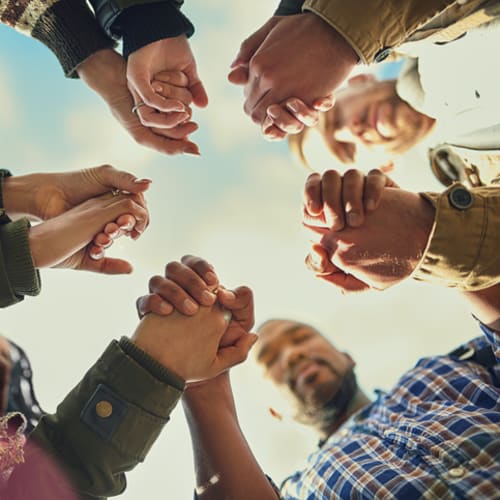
462	251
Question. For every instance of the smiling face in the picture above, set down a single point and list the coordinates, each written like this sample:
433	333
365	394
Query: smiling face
319	378
368	118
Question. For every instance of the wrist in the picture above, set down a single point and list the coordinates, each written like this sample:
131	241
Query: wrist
18	193
148	338
200	395
103	71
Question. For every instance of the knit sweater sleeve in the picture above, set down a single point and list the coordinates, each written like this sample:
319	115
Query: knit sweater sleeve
67	27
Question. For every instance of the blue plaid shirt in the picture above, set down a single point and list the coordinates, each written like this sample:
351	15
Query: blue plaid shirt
436	435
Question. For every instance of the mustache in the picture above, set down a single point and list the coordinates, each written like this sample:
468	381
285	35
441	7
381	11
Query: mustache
294	369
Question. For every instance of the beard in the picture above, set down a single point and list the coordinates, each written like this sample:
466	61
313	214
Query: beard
324	409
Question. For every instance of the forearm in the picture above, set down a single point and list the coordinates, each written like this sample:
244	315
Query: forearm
103	428
67	27
219	447
18	276
18	195
371	27
104	72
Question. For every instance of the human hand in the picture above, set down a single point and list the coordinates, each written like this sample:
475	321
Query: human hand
332	200
286	46
291	116
63	241
381	253
47	195
167	54
192	283
105	72
190	346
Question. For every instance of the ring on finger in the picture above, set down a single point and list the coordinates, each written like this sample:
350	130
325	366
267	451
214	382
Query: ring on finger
137	106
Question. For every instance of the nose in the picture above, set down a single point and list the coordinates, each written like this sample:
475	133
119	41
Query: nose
290	357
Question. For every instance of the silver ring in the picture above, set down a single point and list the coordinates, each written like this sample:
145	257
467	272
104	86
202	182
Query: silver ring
137	106
115	191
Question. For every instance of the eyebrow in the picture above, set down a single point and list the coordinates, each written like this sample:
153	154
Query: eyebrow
278	340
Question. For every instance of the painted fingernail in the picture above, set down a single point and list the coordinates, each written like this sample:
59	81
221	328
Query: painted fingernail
142	181
210	278
127	227
190	306
208	297
97	255
268	121
354	219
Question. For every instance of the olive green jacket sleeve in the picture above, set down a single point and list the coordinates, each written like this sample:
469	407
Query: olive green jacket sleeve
462	251
373	28
103	428
18	276
67	27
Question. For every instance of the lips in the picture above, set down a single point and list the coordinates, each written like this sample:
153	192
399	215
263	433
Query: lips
304	375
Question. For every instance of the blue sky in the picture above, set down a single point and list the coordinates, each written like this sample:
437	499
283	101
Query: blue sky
238	205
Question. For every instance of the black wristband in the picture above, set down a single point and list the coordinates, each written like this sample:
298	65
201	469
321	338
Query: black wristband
4	218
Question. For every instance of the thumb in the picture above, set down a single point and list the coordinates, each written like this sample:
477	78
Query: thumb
200	97
111	178
252	43
233	355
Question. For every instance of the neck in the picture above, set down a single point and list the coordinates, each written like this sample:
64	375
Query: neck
360	400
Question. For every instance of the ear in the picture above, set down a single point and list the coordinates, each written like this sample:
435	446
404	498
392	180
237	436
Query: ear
349	358
361	79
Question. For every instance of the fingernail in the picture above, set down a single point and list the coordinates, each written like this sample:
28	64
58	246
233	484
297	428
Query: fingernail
127	227
268	121
207	297
142	181
114	234
292	105
157	87
165	308
210	278
190	306
354	219
273	113
97	256
370	204
229	294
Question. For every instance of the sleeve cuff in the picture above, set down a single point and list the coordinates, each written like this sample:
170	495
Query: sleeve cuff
69	29
374	28
23	278
144	24
150	364
462	251
289	7
107	424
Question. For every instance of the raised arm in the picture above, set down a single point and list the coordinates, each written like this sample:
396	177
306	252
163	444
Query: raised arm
225	465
